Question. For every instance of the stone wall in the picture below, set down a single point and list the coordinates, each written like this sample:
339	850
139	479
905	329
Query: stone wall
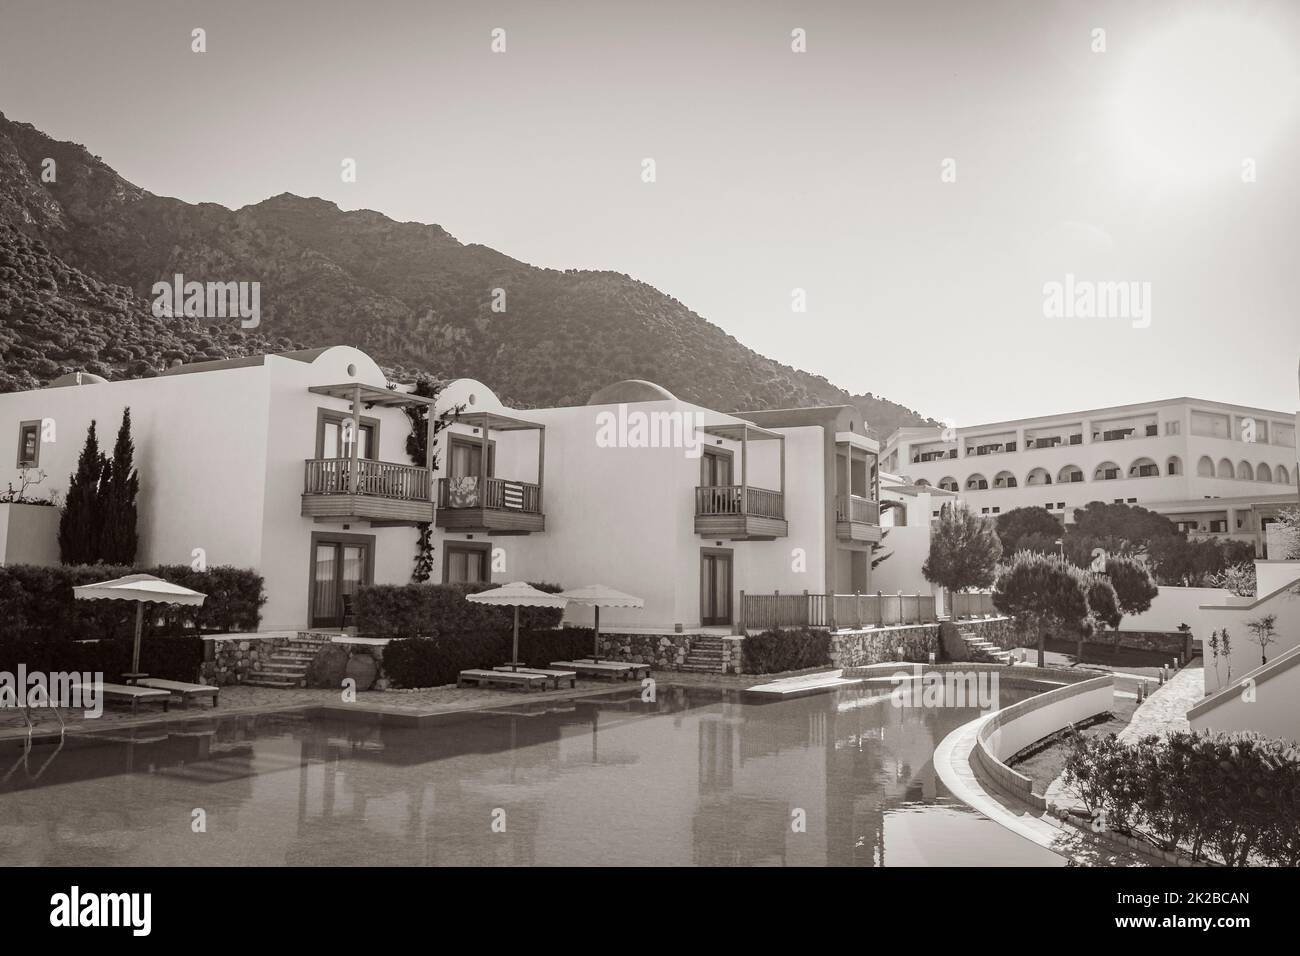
915	642
229	660
667	652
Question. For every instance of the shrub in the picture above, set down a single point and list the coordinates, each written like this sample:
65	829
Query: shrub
426	610
37	603
791	649
1238	794
434	661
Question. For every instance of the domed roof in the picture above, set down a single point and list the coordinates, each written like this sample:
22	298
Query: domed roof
631	390
78	378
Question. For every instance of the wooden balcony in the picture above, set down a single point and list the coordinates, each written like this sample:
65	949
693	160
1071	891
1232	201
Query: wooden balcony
502	507
383	493
740	513
857	518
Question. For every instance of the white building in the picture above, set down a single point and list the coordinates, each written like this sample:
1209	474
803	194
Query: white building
296	465
1212	468
683	506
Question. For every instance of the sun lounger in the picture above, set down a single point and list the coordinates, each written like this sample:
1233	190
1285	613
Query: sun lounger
557	676
590	668
134	694
484	678
186	692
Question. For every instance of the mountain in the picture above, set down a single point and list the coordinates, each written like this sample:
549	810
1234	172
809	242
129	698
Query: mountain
79	256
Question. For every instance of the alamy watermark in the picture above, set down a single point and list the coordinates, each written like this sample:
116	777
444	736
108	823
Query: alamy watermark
55	689
208	300
945	689
635	428
1086	299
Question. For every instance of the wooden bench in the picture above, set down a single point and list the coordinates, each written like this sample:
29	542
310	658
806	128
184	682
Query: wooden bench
186	692
508	678
128	692
590	668
557	676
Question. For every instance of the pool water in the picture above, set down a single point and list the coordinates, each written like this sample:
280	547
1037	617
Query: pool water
700	776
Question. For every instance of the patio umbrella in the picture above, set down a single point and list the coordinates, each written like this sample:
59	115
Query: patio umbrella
143	589
517	594
598	596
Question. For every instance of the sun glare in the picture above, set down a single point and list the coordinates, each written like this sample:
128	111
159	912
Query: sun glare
1204	95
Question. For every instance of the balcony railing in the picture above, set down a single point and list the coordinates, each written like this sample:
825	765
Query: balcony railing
739	500
496	494
857	508
379	479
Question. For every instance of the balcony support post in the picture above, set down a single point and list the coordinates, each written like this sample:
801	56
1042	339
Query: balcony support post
428	447
541	468
781	486
744	469
482	468
356	440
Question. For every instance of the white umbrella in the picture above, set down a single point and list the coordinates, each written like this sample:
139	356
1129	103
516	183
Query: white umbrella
143	589
517	594
598	596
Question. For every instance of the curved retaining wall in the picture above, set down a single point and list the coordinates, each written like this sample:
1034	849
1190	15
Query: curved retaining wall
1010	730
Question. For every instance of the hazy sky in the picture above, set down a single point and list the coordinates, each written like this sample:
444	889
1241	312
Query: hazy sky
775	170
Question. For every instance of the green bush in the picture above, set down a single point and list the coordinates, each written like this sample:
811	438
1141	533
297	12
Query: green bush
426	610
1238	794
434	661
789	649
44	627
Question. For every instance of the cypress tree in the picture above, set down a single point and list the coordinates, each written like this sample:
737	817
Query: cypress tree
80	521
121	485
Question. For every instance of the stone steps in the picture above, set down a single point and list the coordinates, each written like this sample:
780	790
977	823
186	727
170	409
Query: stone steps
984	651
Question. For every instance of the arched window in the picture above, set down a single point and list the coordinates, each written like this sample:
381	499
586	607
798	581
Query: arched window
1283	476
1225	468
1039	476
948	483
1106	471
1144	468
1068	474
922	483
1245	472
1004	479
1174	466
1263	472
977	482
1205	467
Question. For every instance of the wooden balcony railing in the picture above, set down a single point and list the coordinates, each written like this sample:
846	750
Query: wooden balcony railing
498	494
856	508
739	500
379	479
972	604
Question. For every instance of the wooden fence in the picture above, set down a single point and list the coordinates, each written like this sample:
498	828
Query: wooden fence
803	609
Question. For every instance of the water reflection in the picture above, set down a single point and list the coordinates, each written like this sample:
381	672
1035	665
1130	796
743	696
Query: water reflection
707	777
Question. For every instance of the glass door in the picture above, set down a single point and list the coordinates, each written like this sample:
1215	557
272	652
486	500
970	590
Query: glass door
339	569
715	588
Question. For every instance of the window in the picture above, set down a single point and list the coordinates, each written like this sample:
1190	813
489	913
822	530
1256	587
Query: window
997	511
29	444
334	435
1060	505
1218	526
1173	428
465	457
466	562
1132	501
984	511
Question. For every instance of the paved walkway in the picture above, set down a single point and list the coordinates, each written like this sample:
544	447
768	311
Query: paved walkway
1166	709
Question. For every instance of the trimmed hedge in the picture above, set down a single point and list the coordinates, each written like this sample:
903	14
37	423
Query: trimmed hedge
171	658
44	627
434	661
426	610
37	603
788	649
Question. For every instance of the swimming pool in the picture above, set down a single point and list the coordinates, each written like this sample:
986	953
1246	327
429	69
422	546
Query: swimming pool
701	776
